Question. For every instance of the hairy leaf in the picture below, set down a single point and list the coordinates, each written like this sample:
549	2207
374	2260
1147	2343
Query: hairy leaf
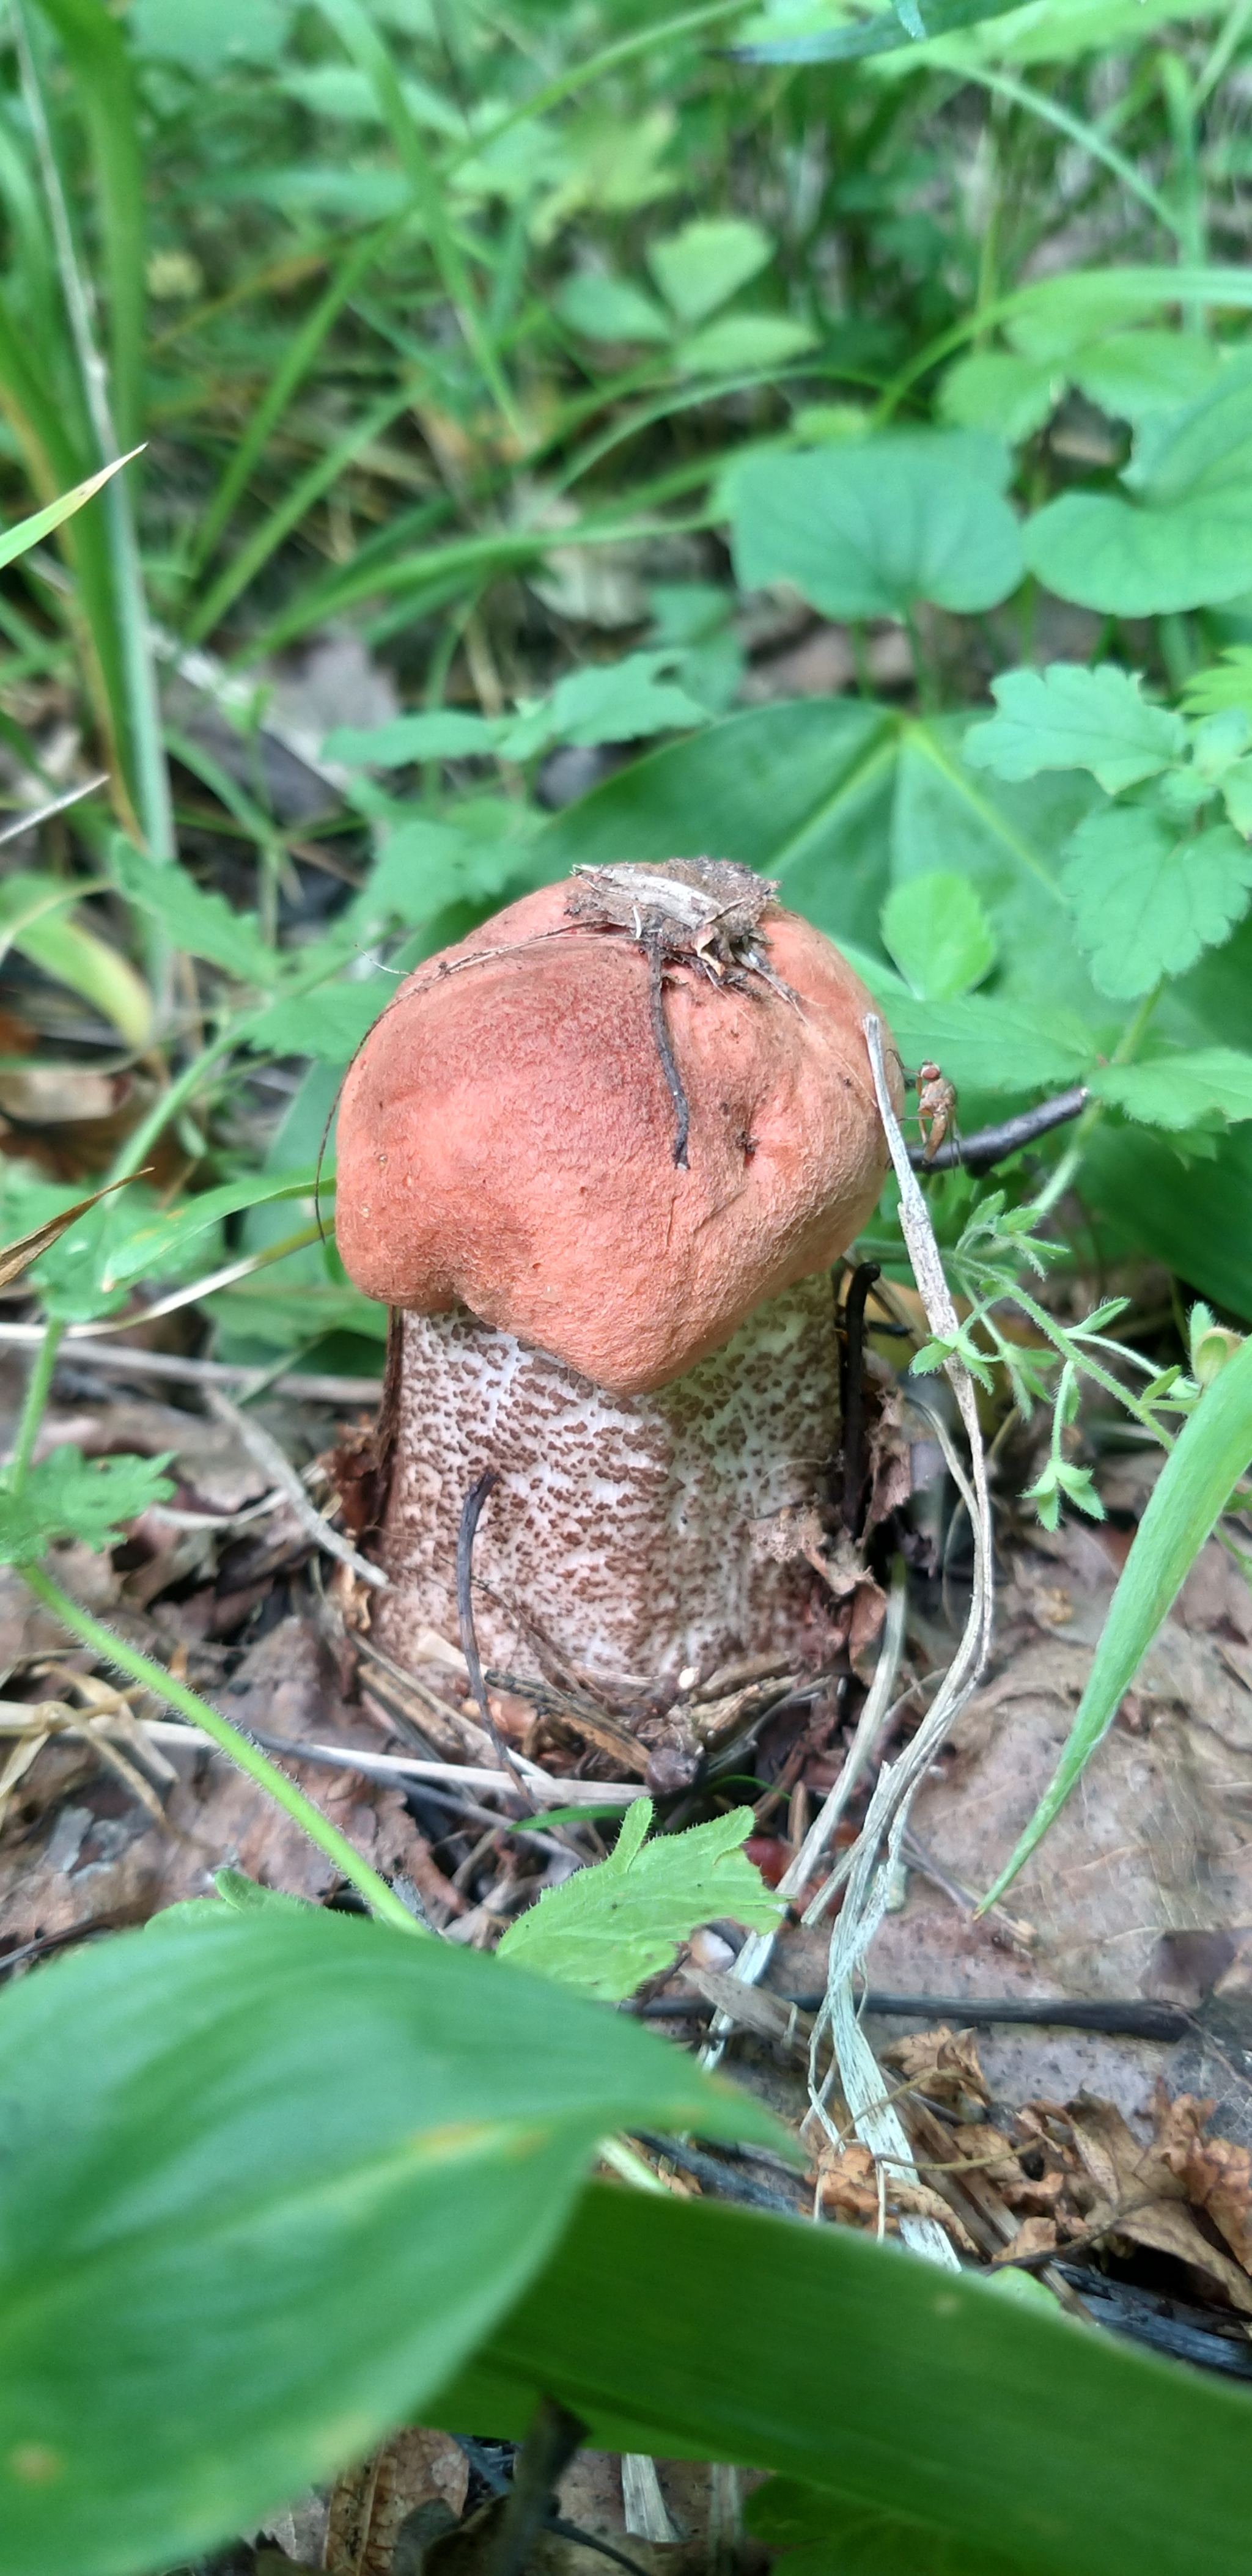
866	527
1148	898
607	1928
1070	718
69	1496
1181	1090
204	924
265	2184
938	933
1192	1491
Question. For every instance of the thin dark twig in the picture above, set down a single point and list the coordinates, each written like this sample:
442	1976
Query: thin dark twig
660	1032
991	1145
859	1286
471	1513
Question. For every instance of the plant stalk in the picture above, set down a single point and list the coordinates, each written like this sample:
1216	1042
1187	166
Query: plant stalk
238	1747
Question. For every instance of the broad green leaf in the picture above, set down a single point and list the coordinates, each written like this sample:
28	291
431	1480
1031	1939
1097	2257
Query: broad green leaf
1181	1090
606	702
32	919
938	934
1192	1491
1147	898
1132	373
264	2185
447	733
1186	542
814	2352
737	343
205	36
982	1045
1070	718
164	1245
707	262
606	1929
69	1496
610	308
999	391
29	532
830	2535
204	924
328	1023
867	527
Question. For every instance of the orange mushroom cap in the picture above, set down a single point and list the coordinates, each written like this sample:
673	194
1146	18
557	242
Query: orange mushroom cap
507	1135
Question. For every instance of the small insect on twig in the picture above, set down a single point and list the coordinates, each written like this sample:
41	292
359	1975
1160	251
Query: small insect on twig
704	914
936	1107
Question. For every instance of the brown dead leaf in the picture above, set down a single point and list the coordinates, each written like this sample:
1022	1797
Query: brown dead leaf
369	2504
1137	2195
1216	2175
942	2064
997	2157
849	2188
1034	2236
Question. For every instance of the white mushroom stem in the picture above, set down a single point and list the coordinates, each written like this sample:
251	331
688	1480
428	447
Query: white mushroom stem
638	1536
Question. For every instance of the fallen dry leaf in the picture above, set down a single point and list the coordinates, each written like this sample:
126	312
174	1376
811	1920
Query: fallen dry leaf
1136	2195
942	2064
1216	2175
369	2504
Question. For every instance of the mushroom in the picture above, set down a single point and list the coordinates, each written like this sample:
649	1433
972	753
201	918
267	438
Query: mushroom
600	1157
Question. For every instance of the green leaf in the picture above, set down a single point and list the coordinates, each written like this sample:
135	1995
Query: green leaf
939	935
610	308
29	532
264	2186
607	702
1226	684
883	32
473	857
32	920
1192	1491
328	1023
866	527
1147	899
204	36
707	262
447	733
1187	541
814	2352
830	2535
69	1496
204	924
606	1929
1070	718
739	343
1129	374
1193	1212
999	391
162	1247
1181	1090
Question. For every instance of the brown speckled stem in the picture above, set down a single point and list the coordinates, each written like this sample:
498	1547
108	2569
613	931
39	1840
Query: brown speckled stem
637	1535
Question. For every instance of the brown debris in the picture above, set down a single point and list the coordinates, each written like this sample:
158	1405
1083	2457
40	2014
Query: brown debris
370	2504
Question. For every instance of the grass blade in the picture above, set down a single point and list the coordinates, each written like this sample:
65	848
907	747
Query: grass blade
261	544
28	532
1190	1495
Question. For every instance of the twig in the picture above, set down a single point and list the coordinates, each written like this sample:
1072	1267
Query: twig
126	1360
406	1766
990	1145
59	805
664	1048
549	2447
273	1462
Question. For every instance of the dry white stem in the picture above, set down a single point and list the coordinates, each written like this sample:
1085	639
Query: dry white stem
405	1766
646	2514
878	1845
273	1462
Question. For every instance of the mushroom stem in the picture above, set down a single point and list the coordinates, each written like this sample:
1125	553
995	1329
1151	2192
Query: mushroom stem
628	1537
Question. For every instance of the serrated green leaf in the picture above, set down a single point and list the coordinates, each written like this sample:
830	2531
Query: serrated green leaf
939	935
163	1246
606	1929
423	866
328	1024
265	2184
1068	717
69	1496
447	733
1181	1090
610	308
707	262
203	924
982	1045
866	527
1147	899
1192	1491
738	343
610	702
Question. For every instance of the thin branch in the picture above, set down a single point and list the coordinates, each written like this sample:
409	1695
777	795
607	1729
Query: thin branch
991	1145
273	1462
